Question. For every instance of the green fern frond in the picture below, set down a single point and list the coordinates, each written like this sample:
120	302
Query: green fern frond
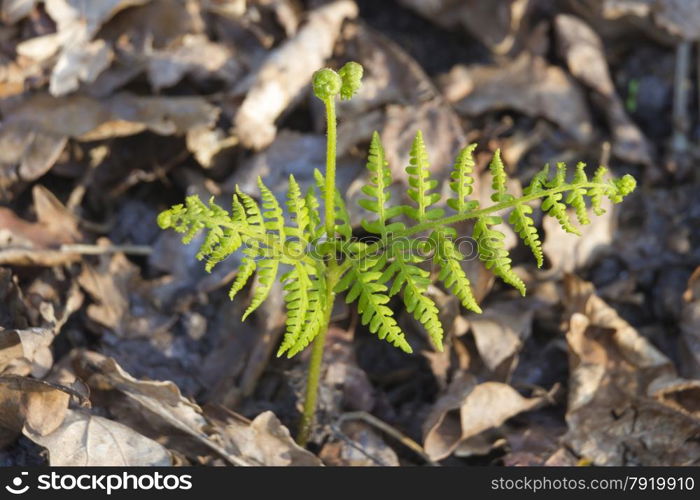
448	258
272	212
575	198
296	285
252	210
493	253
499	179
414	281
299	212
523	224
462	181
596	192
312	205
264	280
314	318
351	76
552	203
305	307
371	297
538	182
245	271
378	192
420	184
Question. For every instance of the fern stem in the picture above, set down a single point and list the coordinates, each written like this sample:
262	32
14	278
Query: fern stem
329	201
314	373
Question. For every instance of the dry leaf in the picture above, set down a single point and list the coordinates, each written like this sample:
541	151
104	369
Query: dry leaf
14	10
35	132
495	24
286	72
690	326
530	85
85	440
265	441
360	446
159	404
615	372
36	406
500	332
583	51
679	18
468	409
25	352
190	55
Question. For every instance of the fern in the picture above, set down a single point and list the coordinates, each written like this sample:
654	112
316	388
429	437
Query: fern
449	260
462	181
420	184
321	259
365	288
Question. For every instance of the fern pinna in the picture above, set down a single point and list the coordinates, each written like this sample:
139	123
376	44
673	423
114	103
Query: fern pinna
315	255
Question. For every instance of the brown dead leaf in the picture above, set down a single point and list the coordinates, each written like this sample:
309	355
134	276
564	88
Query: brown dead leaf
194	55
114	284
14	10
158	407
679	18
286	71
29	404
360	446
81	59
495	24
35	131
25	352
500	332
583	51
690	326
467	409
85	440
265	441
530	85
615	373
38	243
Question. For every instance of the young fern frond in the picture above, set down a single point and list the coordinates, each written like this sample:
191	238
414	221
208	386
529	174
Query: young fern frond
575	198
462	181
493	253
372	273
420	184
449	260
299	211
379	193
552	203
364	287
322	259
523	224
499	179
414	282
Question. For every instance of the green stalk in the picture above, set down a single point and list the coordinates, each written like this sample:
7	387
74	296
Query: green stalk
329	201
314	373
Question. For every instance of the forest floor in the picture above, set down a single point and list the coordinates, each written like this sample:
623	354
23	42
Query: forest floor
111	331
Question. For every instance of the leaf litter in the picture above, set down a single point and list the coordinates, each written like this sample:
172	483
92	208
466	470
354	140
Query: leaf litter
111	335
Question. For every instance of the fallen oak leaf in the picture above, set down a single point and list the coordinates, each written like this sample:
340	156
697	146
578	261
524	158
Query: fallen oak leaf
467	409
155	403
87	440
31	404
24	352
286	71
